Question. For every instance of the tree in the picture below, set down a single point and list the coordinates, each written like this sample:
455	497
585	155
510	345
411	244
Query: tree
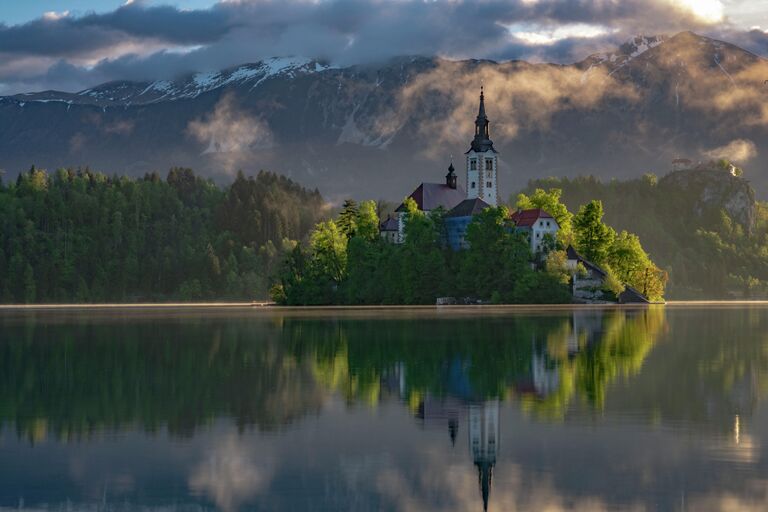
367	221
347	220
423	262
329	250
556	265
626	256
592	237
497	260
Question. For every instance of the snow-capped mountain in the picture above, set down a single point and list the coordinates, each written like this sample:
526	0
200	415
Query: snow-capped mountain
626	52
377	130
126	93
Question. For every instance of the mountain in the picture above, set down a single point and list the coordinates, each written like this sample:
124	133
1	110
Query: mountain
378	130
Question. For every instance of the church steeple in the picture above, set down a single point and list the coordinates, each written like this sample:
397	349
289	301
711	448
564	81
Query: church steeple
482	141
482	160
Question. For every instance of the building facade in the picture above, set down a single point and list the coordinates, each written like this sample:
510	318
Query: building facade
482	161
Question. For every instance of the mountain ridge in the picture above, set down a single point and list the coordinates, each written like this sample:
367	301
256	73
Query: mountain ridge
379	129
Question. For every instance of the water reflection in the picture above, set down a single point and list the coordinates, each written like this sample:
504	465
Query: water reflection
482	385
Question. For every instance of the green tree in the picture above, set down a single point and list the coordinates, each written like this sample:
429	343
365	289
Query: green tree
497	262
367	221
626	256
592	237
329	250
423	262
347	220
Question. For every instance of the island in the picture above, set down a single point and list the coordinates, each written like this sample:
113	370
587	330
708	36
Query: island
445	245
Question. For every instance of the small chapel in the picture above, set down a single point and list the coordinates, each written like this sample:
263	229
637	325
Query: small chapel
482	191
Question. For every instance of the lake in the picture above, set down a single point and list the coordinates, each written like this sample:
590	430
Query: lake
447	409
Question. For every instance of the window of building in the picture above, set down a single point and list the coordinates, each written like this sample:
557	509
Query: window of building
547	223
488	184
538	235
473	184
473	164
489	165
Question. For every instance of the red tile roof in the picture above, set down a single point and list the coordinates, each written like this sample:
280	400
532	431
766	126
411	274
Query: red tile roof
527	218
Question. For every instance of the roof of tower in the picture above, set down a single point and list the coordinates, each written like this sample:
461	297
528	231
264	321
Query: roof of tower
481	110
482	141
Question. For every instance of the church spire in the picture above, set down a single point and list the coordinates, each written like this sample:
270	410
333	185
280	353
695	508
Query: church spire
482	141
481	111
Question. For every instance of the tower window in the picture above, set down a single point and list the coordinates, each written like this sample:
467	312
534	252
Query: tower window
473	165
489	184
489	165
473	184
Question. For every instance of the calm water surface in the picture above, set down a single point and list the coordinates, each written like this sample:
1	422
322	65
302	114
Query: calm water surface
449	410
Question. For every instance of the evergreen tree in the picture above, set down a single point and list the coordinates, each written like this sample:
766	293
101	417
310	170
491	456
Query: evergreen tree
347	220
593	238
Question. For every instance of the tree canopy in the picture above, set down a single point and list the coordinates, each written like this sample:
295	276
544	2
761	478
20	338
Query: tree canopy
81	236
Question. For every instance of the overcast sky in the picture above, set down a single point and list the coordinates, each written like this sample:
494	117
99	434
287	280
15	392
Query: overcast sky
73	44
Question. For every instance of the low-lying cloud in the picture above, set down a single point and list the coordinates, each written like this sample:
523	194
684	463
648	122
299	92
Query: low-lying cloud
739	150
229	135
143	42
520	96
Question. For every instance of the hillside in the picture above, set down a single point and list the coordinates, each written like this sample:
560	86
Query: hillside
704	227
382	128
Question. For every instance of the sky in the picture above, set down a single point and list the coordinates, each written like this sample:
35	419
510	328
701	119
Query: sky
75	44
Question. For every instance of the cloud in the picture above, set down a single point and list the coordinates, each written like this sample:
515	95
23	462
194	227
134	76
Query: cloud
519	95
230	474
144	42
739	150
229	134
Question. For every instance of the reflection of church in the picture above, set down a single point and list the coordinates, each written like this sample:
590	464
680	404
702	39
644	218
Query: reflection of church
484	434
462	403
484	442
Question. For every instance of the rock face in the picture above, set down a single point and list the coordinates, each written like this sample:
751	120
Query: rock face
379	130
701	189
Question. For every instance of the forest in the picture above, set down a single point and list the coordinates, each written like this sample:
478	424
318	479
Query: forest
82	236
347	262
686	228
77	235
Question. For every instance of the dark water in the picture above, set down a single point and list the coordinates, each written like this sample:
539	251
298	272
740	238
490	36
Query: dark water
650	409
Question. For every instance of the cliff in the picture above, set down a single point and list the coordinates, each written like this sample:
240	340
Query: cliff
704	193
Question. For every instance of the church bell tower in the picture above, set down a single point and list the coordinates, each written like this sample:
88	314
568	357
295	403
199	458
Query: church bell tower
482	161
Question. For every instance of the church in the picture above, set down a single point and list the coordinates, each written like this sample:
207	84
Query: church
482	170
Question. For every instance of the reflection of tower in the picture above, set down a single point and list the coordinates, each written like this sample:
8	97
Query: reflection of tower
484	441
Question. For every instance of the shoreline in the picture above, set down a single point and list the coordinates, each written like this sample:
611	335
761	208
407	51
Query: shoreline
270	306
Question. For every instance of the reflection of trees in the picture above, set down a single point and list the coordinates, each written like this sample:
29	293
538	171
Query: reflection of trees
713	370
70	379
543	360
593	350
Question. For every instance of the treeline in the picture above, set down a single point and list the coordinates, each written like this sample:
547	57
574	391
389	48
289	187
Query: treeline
82	236
347	262
707	253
